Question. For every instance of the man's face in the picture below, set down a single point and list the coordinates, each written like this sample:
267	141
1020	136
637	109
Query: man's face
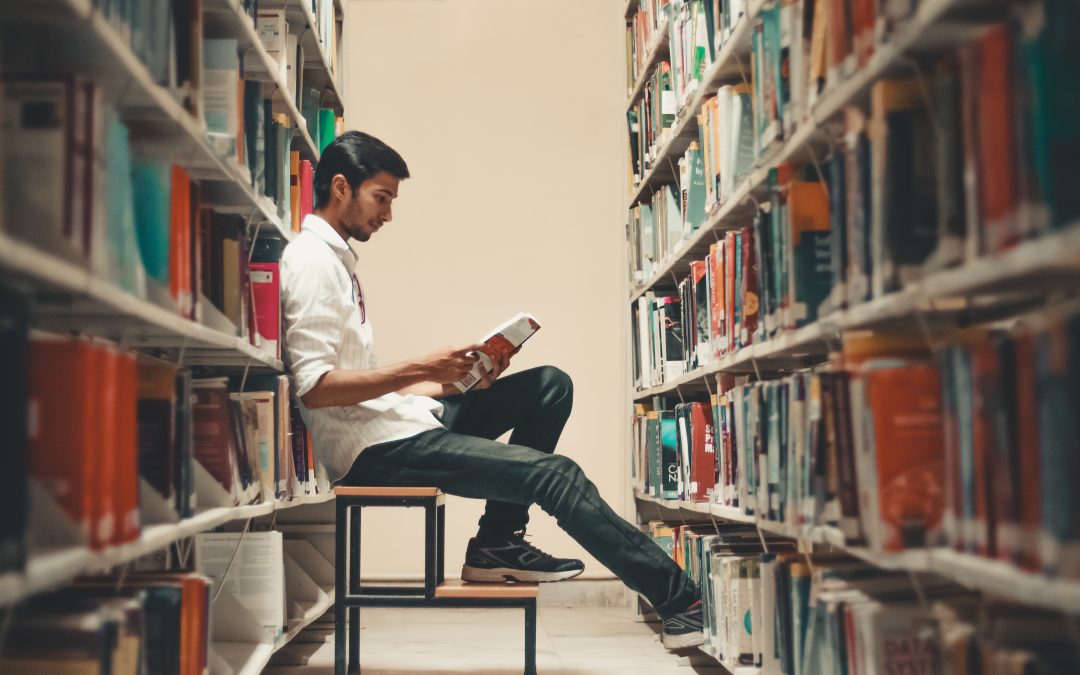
369	207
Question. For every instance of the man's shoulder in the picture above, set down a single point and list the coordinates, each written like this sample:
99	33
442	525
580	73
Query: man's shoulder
308	257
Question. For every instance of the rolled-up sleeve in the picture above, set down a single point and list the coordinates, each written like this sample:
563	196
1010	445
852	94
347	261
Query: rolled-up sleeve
314	308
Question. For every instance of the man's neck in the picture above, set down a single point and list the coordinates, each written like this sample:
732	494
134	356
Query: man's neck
334	222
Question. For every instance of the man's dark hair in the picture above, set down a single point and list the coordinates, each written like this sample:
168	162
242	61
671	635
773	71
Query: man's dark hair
356	156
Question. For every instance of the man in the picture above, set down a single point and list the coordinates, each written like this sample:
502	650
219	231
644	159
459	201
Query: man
405	424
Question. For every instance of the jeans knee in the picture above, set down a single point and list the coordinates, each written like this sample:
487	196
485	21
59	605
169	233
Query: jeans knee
557	384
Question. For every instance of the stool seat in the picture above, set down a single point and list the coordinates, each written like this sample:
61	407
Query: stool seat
462	589
387	492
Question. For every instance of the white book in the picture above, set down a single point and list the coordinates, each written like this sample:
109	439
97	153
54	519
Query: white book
273	33
264	438
250	567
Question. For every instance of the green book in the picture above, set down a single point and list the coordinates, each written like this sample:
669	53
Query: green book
326	127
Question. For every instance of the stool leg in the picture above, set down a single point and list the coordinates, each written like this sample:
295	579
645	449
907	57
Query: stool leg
354	589
440	543
530	638
339	586
430	549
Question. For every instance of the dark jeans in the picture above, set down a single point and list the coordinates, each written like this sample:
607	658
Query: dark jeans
465	460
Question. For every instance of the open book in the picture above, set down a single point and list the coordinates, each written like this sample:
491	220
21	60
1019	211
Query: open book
500	342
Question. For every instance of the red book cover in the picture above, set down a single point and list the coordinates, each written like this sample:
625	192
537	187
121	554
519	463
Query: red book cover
194	260
864	15
703	452
266	293
214	444
63	428
128	521
996	138
1029	483
749	287
905	405
180	241
307	186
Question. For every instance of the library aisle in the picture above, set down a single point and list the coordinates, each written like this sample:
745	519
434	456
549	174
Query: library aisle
570	641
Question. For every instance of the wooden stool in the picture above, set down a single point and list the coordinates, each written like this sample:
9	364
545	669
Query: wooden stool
350	595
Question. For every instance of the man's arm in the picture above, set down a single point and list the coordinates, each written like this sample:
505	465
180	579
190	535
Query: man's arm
340	386
434	389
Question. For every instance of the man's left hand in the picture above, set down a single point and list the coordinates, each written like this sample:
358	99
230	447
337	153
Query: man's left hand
499	363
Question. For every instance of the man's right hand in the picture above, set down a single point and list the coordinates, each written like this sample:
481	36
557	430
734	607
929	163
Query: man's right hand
450	365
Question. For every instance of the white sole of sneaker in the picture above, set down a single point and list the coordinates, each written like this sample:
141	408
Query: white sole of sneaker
503	574
684	641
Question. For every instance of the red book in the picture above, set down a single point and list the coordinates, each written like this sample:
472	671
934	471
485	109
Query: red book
749	287
180	241
63	403
984	385
105	403
703	452
266	293
1029	482
716	295
307	187
998	189
214	443
907	503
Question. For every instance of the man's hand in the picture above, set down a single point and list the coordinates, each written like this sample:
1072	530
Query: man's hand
499	363
450	365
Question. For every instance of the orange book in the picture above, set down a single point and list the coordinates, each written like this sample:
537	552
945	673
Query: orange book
715	295
905	507
63	399
810	281
996	149
729	289
128	522
309	450
294	189
180	240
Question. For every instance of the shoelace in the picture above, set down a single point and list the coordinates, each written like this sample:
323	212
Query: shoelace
521	535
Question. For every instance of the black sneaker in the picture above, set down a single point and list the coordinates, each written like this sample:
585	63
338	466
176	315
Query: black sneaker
514	559
684	629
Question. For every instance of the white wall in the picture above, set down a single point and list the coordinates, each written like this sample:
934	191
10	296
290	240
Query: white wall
510	116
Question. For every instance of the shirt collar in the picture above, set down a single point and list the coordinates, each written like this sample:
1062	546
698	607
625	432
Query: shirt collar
322	229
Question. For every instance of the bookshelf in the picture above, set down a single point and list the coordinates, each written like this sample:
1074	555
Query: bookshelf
997	289
68	299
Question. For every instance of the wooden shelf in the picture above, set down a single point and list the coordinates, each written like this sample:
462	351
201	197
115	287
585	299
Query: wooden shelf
657	49
227	17
51	568
1041	265
317	62
69	298
993	577
251	658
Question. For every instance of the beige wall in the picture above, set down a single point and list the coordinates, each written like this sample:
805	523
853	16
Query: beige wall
509	114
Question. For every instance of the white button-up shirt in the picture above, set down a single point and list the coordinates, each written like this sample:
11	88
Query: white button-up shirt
324	329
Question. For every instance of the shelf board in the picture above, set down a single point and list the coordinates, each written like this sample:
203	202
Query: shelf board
317	68
70	298
993	577
1048	263
226	17
51	568
251	658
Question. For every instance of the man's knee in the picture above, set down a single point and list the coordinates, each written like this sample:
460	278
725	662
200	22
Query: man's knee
556	385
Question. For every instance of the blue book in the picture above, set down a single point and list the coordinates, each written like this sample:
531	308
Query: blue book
151	180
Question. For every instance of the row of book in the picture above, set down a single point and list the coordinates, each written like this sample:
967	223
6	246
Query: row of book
115	439
788	613
163	619
697	31
960	160
895	446
642	34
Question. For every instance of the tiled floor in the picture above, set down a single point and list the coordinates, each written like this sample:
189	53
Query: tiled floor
580	641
